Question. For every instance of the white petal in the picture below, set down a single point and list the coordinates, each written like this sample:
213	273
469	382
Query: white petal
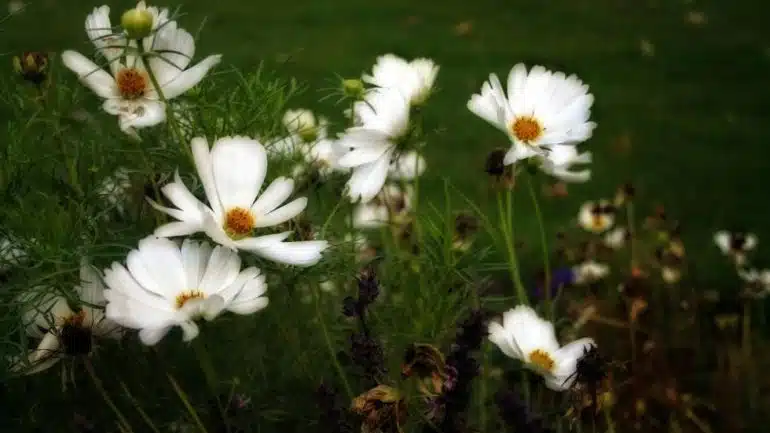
273	196
367	180
151	337
722	240
283	213
190	77
239	167
91	75
305	253
204	166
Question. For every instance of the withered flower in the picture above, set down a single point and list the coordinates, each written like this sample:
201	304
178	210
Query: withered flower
502	175
624	194
32	66
427	363
382	408
466	226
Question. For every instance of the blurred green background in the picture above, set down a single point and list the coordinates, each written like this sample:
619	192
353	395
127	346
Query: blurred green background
680	86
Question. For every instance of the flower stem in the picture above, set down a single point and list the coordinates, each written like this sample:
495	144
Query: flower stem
139	409
544	245
156	84
186	402
98	384
207	366
329	346
506	225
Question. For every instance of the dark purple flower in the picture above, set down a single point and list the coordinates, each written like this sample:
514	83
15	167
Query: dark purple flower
560	277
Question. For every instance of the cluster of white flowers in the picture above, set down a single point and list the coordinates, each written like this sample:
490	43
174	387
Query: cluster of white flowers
167	283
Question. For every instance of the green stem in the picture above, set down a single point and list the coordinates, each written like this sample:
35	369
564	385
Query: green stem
209	372
186	402
170	116
544	244
329	345
506	225
100	387
139	409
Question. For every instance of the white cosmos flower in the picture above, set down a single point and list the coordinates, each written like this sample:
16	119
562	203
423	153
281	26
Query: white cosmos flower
304	130
735	244
369	148
542	110
391	205
407	166
232	173
164	285
596	217
560	159
127	89
757	280
616	238
523	335
61	330
589	272
414	80
115	189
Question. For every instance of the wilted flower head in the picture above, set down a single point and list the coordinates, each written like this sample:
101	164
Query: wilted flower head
427	363
383	409
735	244
63	331
32	66
596	217
465	228
523	335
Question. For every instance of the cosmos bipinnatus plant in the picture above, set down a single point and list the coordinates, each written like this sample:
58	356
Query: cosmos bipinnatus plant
184	247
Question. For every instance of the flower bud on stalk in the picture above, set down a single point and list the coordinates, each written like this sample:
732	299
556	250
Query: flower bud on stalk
137	23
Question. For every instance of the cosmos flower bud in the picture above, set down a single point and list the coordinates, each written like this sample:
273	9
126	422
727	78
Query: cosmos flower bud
32	66
137	23
353	88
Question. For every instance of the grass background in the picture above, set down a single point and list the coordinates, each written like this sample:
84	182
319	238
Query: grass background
686	124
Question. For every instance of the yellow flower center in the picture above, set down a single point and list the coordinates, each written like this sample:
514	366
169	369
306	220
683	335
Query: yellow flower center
186	296
132	83
542	360
597	221
239	223
526	129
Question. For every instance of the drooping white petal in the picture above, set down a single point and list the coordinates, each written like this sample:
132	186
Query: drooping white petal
91	75
367	180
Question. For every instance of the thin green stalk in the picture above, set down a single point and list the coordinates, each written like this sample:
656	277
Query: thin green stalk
506	225
209	372
329	346
549	307
186	402
139	409
331	215
98	384
170	117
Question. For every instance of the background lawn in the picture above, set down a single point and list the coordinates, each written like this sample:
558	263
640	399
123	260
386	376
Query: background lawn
680	86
